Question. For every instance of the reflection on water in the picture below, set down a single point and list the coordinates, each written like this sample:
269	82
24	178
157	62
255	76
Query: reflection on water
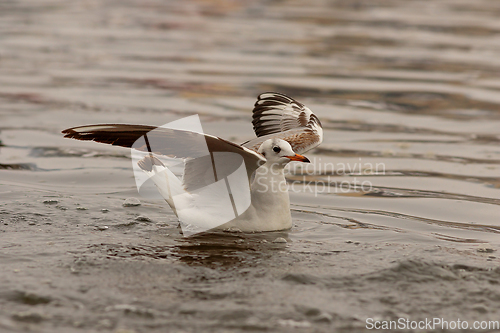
412	85
214	250
231	251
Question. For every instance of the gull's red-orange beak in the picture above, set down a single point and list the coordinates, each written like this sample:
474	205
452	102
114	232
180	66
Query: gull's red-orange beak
299	158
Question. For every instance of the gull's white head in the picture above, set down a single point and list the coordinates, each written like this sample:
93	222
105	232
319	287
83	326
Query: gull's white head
278	151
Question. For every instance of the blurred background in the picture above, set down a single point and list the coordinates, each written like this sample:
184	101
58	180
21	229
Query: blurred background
410	84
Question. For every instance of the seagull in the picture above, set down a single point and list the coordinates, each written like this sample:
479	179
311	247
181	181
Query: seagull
224	185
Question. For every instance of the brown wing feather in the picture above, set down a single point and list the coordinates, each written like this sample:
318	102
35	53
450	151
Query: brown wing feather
163	141
275	112
301	140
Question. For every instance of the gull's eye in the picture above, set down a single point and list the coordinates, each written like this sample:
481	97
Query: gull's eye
276	149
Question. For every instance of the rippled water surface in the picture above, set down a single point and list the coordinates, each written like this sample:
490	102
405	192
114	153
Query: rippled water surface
409	96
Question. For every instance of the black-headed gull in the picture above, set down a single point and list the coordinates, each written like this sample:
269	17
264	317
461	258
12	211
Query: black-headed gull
224	185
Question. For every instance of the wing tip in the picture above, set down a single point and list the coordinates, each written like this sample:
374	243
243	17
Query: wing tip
75	133
271	94
272	98
70	134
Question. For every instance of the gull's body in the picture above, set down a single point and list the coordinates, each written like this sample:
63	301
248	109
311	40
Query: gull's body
270	202
284	128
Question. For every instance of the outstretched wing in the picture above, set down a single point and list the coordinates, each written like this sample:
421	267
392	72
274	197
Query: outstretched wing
196	148
278	116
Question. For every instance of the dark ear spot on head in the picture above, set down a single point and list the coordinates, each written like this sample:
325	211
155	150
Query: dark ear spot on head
264	154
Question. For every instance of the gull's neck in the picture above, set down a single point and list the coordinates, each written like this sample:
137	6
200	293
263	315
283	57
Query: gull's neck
269	177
